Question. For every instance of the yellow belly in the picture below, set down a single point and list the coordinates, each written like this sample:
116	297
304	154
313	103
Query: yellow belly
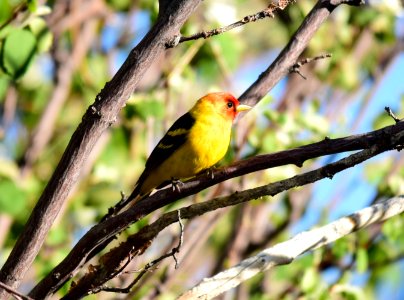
201	151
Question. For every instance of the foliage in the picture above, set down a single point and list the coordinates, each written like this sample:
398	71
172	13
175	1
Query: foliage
340	97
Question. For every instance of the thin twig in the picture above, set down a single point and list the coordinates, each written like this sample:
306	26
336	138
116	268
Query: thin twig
265	13
391	114
149	266
296	67
12	291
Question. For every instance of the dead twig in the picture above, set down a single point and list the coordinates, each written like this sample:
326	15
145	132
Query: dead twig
150	266
296	67
391	114
265	13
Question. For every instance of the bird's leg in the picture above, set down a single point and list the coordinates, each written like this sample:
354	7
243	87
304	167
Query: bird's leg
209	172
176	183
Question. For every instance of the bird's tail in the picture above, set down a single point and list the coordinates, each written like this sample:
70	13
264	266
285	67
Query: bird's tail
136	196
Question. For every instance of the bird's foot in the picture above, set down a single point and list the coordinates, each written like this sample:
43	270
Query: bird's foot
176	183
210	173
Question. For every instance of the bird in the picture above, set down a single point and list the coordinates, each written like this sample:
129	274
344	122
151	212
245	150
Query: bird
195	142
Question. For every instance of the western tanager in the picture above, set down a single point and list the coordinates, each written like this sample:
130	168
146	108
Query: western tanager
195	142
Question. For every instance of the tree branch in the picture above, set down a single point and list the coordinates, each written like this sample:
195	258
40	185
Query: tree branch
290	54
13	292
147	267
391	114
296	67
101	234
286	252
96	120
265	13
137	243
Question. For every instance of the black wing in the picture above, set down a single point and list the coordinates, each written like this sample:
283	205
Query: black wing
174	138
171	141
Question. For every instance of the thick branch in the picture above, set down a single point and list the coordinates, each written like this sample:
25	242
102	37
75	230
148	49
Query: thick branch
373	143
139	242
290	54
286	252
96	120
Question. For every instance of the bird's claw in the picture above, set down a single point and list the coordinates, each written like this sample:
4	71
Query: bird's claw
210	172
176	183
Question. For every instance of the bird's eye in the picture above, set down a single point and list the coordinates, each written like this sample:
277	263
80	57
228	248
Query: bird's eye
230	104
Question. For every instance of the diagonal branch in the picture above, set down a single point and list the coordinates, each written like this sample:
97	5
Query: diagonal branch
290	54
286	252
140	241
99	236
96	120
15	293
148	266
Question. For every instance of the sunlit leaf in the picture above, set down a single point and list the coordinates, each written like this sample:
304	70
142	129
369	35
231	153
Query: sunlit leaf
5	11
146	109
310	279
17	52
362	260
12	199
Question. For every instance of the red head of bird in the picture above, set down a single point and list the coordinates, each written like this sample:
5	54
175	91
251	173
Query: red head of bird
221	104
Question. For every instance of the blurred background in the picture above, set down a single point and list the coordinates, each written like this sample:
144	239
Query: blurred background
56	56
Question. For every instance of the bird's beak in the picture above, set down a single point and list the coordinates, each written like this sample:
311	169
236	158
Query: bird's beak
243	107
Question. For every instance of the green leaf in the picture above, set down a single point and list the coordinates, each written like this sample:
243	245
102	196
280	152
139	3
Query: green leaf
17	52
342	247
392	229
32	5
145	109
362	260
348	292
12	199
44	37
57	236
230	49
3	88
119	5
310	280
6	11
270	143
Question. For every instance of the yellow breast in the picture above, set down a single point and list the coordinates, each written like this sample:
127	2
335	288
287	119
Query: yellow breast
207	143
